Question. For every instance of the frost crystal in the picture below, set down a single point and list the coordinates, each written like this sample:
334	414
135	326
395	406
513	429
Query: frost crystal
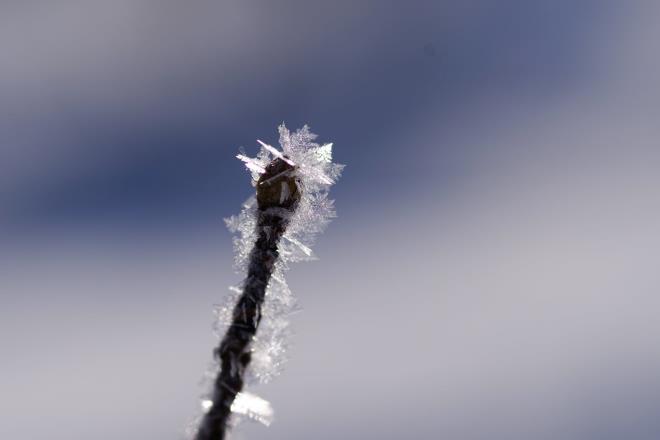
315	173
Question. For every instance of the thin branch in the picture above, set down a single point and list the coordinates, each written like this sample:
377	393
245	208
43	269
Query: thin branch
277	198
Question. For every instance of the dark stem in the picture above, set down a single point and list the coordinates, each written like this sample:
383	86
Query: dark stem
275	206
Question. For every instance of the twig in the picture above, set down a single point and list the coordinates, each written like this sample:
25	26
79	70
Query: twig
296	181
278	195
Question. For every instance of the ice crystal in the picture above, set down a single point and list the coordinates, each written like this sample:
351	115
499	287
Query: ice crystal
315	173
253	407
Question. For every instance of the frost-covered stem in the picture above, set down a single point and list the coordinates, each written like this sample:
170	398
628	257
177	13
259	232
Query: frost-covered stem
277	197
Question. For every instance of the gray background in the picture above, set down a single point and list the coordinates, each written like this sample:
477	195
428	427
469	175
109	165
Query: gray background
493	273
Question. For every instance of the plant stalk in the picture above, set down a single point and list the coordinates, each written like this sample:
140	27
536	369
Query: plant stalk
277	199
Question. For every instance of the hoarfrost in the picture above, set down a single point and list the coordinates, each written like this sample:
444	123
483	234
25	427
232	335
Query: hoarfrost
254	407
315	173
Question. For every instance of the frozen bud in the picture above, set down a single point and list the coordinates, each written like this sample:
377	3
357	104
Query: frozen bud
277	186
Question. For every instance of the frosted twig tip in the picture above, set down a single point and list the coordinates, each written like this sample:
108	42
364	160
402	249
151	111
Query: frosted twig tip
275	228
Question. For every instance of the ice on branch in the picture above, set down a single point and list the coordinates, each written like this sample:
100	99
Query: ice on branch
312	166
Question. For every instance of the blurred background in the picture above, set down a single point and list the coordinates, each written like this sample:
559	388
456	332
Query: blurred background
492	274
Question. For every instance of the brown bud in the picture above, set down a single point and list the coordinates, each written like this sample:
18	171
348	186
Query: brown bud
278	186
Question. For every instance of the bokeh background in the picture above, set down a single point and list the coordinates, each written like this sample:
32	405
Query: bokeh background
492	274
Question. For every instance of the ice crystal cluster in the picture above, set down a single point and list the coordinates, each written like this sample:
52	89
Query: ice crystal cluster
315	173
